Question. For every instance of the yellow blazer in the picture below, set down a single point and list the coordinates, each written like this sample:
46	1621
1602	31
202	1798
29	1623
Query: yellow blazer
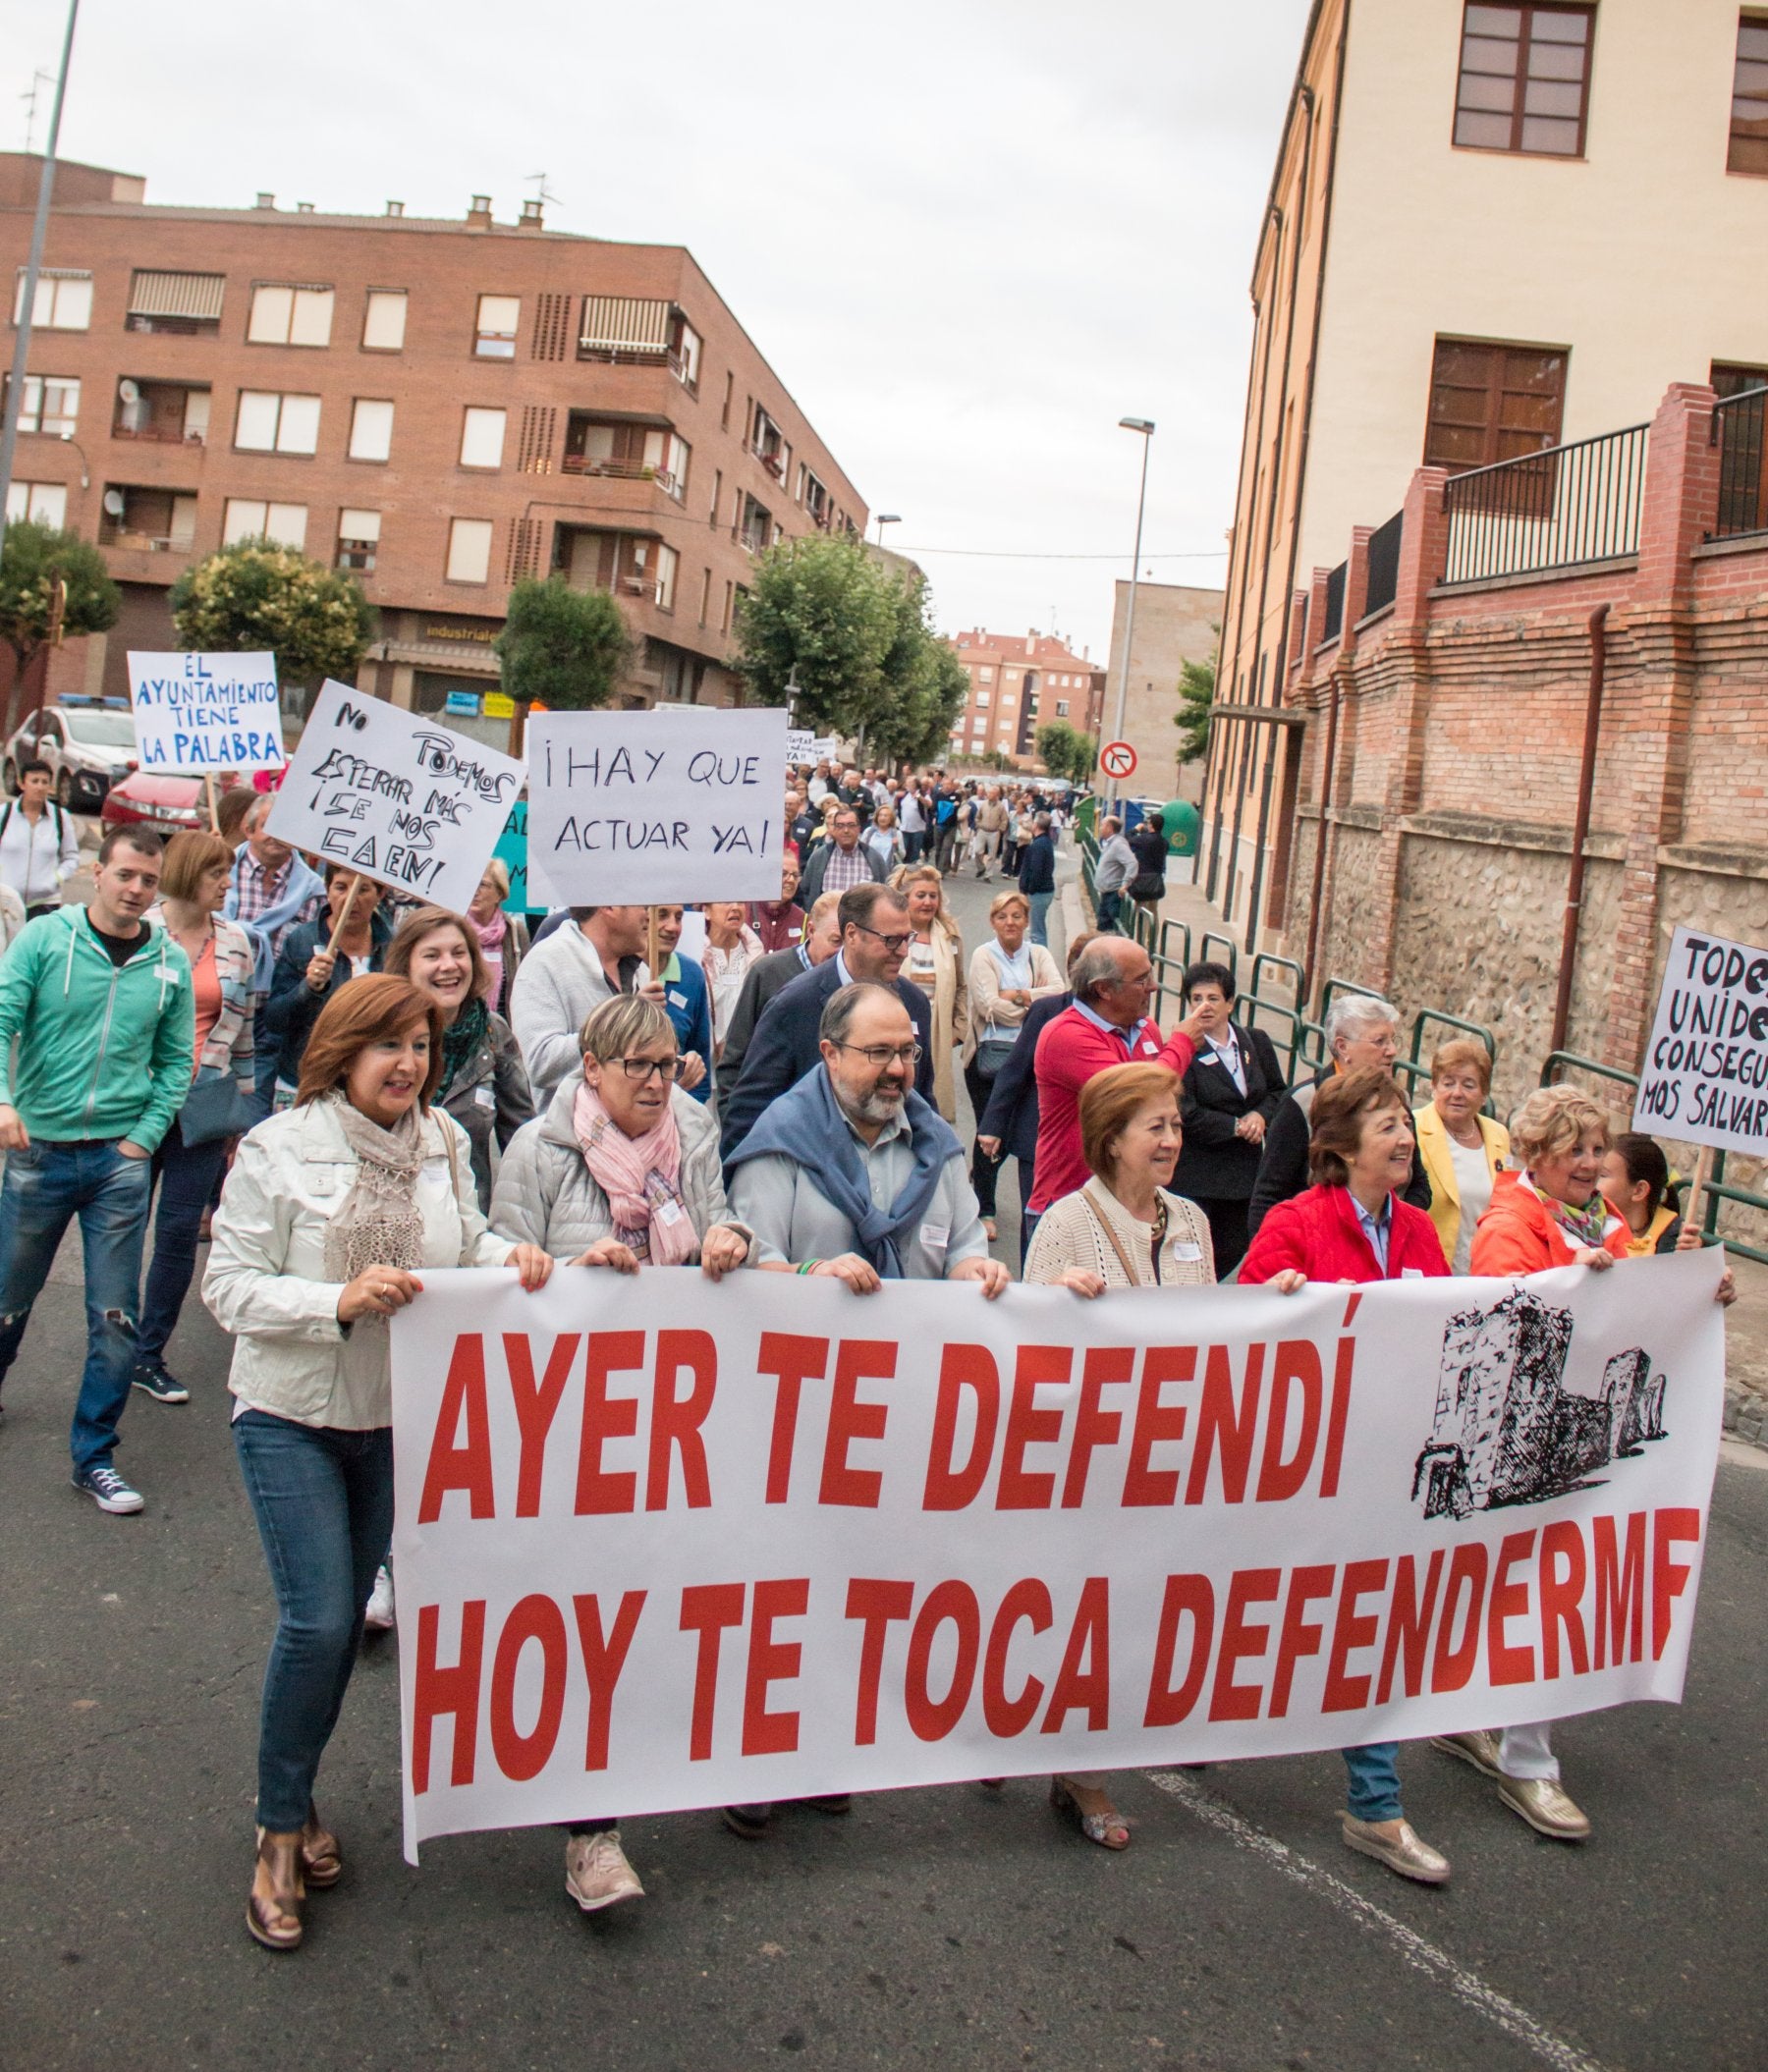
1433	1149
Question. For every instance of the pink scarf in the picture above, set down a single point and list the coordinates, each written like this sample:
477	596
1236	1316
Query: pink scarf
641	1176
491	941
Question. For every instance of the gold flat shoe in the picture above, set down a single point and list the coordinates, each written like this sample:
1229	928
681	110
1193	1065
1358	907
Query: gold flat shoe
321	1860
273	1918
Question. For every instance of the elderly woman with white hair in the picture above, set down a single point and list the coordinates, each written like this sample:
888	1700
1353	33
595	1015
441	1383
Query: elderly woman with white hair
1360	1030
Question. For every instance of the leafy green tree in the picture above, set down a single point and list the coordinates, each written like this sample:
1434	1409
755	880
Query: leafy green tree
33	557
562	648
923	686
823	609
1065	751
258	594
1197	694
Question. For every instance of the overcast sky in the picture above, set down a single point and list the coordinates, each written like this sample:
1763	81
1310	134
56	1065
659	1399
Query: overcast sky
969	234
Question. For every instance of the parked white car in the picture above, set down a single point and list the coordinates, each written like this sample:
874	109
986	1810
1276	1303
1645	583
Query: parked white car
87	747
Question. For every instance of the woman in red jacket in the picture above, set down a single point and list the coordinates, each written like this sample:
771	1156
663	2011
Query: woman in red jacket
1551	1213
1353	1225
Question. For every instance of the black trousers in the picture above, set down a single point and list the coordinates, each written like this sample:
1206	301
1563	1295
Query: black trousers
1227	1231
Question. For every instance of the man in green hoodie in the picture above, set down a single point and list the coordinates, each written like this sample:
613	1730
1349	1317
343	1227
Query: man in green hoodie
100	1004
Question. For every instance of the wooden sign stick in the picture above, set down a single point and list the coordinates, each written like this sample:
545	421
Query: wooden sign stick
208	794
1703	1176
343	920
650	942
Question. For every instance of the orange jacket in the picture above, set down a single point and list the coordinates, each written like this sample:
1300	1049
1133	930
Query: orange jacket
1518	1234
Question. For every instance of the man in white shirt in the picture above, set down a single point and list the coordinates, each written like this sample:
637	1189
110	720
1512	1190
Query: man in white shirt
39	844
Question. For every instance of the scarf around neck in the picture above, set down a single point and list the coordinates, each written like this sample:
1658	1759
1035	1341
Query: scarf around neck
641	1178
378	1222
807	1127
1587	1225
460	1040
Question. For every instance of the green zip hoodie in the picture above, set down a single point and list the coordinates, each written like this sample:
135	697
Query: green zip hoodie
103	1052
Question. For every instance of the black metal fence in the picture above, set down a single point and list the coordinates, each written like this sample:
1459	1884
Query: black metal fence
1334	605
1384	562
1739	424
1551	510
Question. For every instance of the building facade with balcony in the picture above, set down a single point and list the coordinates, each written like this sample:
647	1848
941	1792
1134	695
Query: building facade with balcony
441	407
1016	681
1493	230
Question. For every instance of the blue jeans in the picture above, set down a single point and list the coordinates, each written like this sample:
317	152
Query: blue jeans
1375	1780
187	1175
265	1053
1040	918
1109	902
46	1186
323	1501
912	838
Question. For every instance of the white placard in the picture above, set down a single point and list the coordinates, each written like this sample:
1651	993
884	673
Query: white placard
396	796
664	1543
801	747
827	748
635	808
1705	1075
205	711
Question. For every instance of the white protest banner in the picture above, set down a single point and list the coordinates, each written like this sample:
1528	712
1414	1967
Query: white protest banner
396	796
801	747
1705	1075
664	1544
205	711
637	808
827	748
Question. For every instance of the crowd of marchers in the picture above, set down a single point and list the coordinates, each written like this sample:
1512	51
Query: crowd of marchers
334	1091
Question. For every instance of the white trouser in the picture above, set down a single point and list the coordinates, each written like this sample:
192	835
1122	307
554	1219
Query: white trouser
1527	1752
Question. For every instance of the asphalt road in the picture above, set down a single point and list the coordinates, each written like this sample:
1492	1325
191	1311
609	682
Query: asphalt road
949	1928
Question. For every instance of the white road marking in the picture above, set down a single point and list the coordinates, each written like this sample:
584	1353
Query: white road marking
1422	1955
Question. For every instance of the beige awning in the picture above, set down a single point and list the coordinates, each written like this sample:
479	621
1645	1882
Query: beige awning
623	324
191	295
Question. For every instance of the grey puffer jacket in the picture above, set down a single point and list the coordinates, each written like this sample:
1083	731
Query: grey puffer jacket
546	1195
490	1093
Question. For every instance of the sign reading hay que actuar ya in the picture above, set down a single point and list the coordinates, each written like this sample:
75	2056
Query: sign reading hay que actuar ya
205	711
1705	1075
395	797
630	808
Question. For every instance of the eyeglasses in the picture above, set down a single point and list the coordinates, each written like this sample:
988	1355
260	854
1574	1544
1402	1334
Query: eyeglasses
641	1068
897	945
885	1053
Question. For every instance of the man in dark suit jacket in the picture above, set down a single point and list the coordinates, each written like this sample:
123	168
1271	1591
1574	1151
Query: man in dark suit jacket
772	975
874	940
1228	1098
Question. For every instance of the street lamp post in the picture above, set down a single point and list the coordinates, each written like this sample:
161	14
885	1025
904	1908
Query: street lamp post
1145	426
886	518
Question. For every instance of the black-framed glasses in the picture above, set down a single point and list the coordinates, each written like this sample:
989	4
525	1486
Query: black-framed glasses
641	1068
897	945
885	1053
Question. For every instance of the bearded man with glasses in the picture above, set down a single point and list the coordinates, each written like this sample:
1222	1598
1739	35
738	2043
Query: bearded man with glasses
875	934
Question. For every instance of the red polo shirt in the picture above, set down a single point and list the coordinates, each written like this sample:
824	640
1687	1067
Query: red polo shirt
1071	1050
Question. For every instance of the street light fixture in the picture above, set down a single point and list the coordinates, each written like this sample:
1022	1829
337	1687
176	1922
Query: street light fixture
1145	426
886	518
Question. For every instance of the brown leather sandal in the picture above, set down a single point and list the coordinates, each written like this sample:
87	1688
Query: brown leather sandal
322	1859
274	1917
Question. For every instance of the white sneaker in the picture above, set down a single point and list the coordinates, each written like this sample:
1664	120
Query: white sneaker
380	1614
596	1872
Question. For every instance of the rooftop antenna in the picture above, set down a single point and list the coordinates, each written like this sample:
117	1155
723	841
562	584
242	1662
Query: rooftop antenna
542	193
38	80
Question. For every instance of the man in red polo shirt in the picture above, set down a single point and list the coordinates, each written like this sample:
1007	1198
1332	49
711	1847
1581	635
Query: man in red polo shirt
1108	1024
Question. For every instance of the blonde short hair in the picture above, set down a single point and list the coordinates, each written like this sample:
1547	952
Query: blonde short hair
611	1029
1552	1120
1463	1052
1012	896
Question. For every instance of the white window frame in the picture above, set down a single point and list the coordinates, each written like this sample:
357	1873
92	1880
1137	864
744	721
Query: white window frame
62	303
385	309
358	529
60	423
491	340
292	419
42	503
482	439
282	314
254	517
370	428
469	549
668	562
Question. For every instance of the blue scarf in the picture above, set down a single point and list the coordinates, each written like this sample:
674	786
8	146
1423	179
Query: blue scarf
807	1125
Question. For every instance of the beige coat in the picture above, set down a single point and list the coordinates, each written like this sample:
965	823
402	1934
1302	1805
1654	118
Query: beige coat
950	1002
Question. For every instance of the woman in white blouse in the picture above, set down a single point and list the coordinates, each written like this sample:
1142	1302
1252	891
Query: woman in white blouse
1461	1148
1005	977
731	946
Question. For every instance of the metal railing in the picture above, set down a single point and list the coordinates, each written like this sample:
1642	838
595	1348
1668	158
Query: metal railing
1384	564
1739	426
1334	623
1552	510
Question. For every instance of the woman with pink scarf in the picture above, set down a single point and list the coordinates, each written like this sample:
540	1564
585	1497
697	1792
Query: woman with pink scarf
623	1171
503	937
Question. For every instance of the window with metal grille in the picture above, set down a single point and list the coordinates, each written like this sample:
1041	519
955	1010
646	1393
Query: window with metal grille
1492	403
552	327
1748	151
533	444
1524	79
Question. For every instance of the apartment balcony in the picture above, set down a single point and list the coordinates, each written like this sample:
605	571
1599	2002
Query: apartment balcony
626	449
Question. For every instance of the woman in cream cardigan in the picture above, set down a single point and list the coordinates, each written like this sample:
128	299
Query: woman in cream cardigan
1005	977
936	963
1462	1149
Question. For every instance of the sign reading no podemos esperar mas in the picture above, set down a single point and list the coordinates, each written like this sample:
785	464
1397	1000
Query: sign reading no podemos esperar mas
1705	1075
630	808
664	1544
205	711
396	796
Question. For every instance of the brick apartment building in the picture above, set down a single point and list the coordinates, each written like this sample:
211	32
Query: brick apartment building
1016	681
442	407
1175	623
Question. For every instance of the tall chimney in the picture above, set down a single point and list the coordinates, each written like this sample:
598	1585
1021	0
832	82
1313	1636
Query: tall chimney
478	216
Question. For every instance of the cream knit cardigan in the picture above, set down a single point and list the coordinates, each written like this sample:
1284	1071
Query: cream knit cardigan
1069	1235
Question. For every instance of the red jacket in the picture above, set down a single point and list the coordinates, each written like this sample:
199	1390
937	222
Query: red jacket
1071	1050
1318	1235
1519	1234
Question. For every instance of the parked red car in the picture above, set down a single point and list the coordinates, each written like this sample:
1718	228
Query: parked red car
161	800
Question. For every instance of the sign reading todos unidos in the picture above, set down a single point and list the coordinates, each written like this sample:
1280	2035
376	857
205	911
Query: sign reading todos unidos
1705	1075
205	711
665	1544
630	808
396	796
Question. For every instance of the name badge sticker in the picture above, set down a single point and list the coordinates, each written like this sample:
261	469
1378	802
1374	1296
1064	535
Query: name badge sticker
935	1235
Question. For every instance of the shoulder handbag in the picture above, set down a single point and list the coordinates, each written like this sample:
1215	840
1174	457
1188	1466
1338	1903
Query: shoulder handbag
215	1108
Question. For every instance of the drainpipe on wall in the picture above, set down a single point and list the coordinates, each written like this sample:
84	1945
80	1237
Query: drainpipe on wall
1328	761
1580	829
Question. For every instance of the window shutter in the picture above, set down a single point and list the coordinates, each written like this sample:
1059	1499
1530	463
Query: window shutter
617	323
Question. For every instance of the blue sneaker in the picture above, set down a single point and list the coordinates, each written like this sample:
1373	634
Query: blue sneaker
107	1489
151	1378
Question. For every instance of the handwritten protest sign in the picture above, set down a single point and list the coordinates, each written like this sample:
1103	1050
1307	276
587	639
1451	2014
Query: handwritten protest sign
398	797
511	851
663	1542
205	711
1705	1075
641	807
801	747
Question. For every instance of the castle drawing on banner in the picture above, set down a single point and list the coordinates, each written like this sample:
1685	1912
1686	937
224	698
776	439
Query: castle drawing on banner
1508	1430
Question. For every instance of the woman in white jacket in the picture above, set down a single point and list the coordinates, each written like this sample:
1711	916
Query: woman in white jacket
330	1213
